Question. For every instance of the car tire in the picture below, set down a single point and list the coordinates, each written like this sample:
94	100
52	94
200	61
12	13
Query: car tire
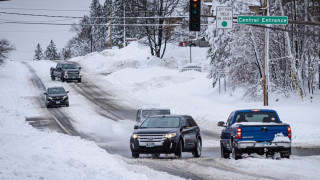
236	154
48	106
285	155
62	79
178	152
135	155
156	156
79	80
67	105
52	77
197	151
224	153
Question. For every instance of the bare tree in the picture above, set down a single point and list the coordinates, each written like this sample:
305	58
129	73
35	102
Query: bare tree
158	34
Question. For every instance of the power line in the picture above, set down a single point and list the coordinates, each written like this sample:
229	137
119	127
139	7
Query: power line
68	24
28	9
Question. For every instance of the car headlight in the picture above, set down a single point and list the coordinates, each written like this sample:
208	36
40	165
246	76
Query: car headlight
135	136
65	72
50	98
171	135
64	97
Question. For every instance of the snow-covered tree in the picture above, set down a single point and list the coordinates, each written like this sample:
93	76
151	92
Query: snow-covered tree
51	52
38	55
5	48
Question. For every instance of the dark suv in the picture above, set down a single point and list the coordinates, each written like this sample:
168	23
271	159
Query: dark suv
56	96
166	134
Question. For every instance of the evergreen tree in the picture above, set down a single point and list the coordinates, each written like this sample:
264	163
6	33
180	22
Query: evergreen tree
38	53
5	49
117	14
51	52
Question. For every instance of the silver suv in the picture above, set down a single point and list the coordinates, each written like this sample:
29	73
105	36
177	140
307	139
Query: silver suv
142	114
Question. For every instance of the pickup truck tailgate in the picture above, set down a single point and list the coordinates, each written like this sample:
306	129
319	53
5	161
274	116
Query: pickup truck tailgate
263	132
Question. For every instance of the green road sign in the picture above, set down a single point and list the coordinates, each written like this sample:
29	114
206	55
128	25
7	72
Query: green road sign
263	20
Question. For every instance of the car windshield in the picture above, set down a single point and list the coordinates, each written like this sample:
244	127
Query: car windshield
147	113
161	122
69	66
266	117
56	91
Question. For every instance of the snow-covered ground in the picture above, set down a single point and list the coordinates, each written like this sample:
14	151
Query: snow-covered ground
27	153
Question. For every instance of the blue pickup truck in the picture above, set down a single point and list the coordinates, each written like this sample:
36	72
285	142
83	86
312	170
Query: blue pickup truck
255	131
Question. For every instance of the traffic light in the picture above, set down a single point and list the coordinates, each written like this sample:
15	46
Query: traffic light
194	15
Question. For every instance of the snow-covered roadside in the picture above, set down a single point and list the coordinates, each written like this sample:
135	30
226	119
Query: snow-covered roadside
156	85
27	153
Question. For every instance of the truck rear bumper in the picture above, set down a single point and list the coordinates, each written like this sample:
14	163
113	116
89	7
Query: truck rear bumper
271	145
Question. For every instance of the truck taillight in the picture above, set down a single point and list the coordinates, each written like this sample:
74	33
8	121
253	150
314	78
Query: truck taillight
239	133
289	132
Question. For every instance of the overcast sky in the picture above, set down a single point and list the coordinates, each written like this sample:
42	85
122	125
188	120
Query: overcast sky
25	36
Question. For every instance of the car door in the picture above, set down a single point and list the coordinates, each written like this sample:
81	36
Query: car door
186	133
56	72
194	130
226	131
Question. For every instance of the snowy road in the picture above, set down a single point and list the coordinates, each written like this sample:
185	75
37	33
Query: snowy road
97	112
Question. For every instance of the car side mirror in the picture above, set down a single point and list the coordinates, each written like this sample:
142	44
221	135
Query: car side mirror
135	127
45	93
79	68
221	124
67	92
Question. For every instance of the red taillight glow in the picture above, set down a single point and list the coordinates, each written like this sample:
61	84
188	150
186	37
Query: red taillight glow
289	132
239	133
255	110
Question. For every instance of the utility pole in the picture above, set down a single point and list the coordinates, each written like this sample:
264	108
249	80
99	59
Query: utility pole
124	24
111	28
265	57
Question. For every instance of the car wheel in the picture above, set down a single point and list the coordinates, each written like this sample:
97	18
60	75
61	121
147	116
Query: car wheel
52	77
47	105
79	80
236	154
62	79
155	156
135	155
67	105
285	155
224	153
197	151
178	152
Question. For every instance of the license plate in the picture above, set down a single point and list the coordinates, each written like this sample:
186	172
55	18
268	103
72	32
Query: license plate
58	102
265	143
150	144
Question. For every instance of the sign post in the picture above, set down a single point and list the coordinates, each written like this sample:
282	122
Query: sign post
224	17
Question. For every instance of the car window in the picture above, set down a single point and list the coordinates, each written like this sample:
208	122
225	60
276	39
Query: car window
184	122
265	117
230	118
191	121
161	122
147	113
56	91
69	66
